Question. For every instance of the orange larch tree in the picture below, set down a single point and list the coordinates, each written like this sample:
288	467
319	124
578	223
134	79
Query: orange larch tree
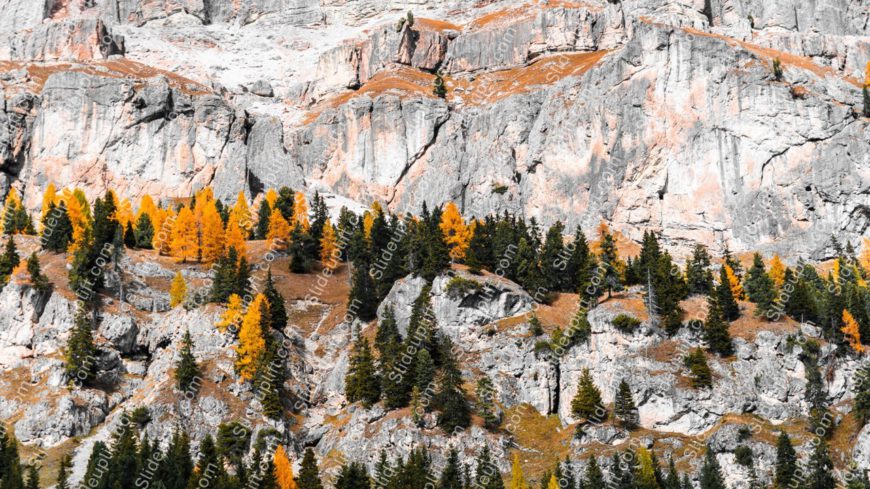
212	237
177	290
328	246
232	317
184	244
457	234
777	271
48	197
300	212
235	236
734	283
279	231
284	470
241	213
852	331
251	342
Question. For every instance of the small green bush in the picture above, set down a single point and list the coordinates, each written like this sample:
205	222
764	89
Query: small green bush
499	188
743	456
460	286
626	323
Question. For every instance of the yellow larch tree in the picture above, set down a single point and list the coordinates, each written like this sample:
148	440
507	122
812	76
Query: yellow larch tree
368	222
835	271
851	330
79	215
279	231
457	234
328	246
777	271
184	236
271	197
177	290
241	213
211	233
864	259
124	213
300	212
554	483
235	236
283	469
147	207
734	283
163	222
48	197
518	480
251	341
232	317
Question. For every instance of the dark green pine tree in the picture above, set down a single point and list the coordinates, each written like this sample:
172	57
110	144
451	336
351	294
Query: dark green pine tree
225	273
105	223
362	383
479	253
699	277
96	476
63	472
284	203
672	480
786	462
352	476
277	308
486	473
454	411
451	476
587	402
648	259
124	459
309	475
580	268
394	373
387	337
621	473
271	374
362	300
424	370
242	278
610	262
716	330
144	232
129	236
529	269
820	468
711	472
593	476
861	390
37	279
8	260
301	250
553	263
725	298
700	372
865	93
186	370
752	284
10	462
816	395
732	262
32	478
760	288
321	214
436	258
264	212
176	468
209	467
81	353
486	403
56	229
623	406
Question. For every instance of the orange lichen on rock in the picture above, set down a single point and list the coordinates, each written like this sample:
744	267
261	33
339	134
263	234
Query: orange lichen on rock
435	25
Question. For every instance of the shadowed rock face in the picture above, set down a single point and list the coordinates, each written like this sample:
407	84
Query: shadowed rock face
677	125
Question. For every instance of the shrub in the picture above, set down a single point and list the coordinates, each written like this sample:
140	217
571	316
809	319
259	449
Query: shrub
141	416
743	456
626	323
696	362
777	69
499	188
460	286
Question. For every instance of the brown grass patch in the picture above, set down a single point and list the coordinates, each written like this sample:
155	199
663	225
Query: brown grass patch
747	326
543	440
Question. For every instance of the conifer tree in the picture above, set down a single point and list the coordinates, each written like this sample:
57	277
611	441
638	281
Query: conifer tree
63	472
96	472
698	274
716	329
235	235
144	231
529	268
518	480
362	383
309	475
184	244
593	476
861	390
242	278
696	362
353	476
300	212
485	403
278	231
284	470
852	332
301	250
37	279
672	480
329	252
457	234
177	290
777	271
786	462
32	478
105	221
646	470
586	403
609	259
454	412
711	472
56	228
479	253
212	240
725	296
486	473
451	476
129	235
81	353
277	309
186	370
820	468
251	342
264	213
623	406
362	299
8	260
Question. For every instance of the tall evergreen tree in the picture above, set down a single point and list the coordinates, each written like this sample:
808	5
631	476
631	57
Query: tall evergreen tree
485	403
144	231
725	297
609	259
353	476
363	298
623	406
698	274
711	472
56	228
186	370
264	212
451	476
450	399
362	382
8	260
587	402
716	329
861	390
593	476
277	309
820	468
81	353
786	462
309	475
486	473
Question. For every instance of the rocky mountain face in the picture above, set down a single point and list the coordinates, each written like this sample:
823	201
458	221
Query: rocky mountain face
659	114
